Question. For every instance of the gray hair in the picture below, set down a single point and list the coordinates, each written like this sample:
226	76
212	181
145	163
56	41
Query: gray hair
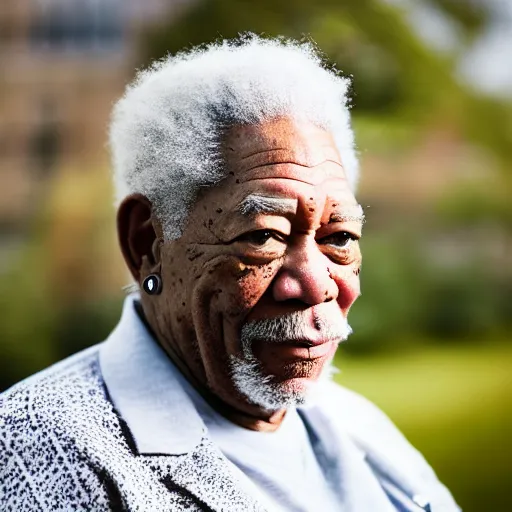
166	131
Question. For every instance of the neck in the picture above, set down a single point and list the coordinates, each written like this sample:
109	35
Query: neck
252	419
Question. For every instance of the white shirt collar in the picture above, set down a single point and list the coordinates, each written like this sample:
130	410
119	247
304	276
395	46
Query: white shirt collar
146	389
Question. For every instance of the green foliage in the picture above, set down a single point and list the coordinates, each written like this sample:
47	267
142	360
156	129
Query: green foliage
471	16
465	303
407	294
36	329
80	325
472	205
388	277
53	299
26	319
489	122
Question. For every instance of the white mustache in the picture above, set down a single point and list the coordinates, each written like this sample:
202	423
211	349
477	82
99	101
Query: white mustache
293	327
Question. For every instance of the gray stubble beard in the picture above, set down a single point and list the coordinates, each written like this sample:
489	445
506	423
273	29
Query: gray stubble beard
262	389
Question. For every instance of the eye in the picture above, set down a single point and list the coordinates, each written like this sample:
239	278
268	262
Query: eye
260	237
341	239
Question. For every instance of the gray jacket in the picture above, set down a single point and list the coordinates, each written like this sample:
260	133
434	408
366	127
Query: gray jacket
112	429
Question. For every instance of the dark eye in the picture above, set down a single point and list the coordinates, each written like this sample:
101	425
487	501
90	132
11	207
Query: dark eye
259	237
340	239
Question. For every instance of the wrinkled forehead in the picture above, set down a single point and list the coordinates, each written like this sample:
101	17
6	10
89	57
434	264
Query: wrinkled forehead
280	159
253	151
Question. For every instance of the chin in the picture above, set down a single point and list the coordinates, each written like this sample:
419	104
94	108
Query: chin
294	386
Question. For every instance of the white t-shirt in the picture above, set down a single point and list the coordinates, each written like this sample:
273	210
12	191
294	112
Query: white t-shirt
279	469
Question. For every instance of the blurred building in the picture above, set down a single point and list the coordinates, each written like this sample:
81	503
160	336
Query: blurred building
63	63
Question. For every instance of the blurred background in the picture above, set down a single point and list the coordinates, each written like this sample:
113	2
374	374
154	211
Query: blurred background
432	111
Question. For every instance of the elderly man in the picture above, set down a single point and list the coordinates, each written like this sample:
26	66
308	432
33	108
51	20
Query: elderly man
235	172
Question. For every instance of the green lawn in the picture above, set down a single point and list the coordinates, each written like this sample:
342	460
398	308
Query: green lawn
454	405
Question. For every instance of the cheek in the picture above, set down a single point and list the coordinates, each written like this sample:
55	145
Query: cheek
229	287
256	282
348	283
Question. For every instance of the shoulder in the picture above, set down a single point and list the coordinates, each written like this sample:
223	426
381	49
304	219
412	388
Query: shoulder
386	448
369	427
43	396
44	421
52	397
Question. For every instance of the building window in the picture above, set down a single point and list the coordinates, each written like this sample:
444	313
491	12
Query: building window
78	26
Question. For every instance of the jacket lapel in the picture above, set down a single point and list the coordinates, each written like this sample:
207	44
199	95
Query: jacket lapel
206	475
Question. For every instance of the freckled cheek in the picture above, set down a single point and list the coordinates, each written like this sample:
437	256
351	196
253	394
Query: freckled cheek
252	286
175	294
348	283
231	287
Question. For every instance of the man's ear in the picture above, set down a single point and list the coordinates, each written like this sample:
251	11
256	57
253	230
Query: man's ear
136	234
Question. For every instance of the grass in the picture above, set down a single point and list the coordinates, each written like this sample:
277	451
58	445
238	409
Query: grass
454	405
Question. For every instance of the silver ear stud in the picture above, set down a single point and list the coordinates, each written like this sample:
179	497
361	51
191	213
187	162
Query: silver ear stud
152	284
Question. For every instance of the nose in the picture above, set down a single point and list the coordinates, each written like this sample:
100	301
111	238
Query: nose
305	275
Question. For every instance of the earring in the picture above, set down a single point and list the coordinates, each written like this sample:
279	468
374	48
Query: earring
152	284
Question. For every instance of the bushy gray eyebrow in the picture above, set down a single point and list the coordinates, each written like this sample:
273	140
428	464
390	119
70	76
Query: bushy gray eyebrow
347	214
343	217
255	204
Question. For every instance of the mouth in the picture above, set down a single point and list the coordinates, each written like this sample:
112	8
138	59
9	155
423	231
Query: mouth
307	343
303	349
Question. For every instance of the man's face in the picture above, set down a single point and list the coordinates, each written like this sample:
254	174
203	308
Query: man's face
260	284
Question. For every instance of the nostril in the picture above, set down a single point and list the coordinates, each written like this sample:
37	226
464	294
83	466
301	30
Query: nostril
327	297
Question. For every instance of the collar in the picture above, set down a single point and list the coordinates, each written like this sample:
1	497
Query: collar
147	389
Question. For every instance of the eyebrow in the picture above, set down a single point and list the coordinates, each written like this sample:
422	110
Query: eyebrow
356	215
255	204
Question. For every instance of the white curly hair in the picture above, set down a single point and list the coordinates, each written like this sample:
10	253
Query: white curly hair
166	131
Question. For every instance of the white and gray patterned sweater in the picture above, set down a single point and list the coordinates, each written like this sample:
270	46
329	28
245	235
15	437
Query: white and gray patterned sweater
83	435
